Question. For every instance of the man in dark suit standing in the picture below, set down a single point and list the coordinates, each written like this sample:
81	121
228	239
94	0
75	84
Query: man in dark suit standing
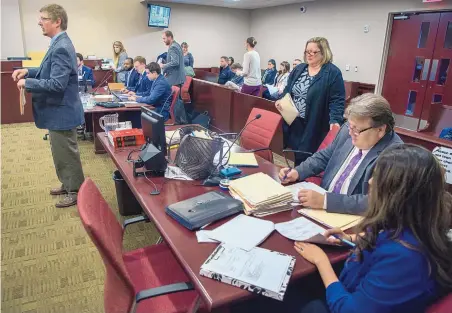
174	69
56	102
349	161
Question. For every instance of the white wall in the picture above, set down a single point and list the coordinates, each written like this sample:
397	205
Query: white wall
12	42
282	31
94	24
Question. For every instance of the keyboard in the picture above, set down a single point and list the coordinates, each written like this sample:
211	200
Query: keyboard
110	104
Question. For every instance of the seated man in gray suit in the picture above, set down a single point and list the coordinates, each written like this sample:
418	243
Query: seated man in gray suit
56	102
174	68
349	161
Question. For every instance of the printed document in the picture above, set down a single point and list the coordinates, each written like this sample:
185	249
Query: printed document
299	229
295	189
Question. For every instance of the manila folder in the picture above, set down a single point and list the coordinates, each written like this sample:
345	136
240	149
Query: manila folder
288	110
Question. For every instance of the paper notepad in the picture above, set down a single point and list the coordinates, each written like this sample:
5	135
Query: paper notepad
243	159
260	270
243	231
295	188
332	220
288	110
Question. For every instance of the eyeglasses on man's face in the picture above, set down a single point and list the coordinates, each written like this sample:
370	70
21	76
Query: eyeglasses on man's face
357	131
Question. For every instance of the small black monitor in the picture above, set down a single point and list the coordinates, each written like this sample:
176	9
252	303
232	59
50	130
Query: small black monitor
153	125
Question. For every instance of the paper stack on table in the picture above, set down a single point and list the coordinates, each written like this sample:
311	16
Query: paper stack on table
332	220
261	195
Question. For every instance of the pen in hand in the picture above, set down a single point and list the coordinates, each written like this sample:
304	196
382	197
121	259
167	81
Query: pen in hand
287	173
345	241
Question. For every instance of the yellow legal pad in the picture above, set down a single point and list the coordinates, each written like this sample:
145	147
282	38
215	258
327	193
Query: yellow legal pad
246	159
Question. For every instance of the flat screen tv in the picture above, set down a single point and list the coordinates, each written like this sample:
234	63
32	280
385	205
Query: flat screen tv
159	16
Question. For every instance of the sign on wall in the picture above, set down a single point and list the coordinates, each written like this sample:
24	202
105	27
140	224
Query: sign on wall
444	155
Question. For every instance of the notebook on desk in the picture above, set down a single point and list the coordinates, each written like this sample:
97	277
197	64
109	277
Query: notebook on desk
246	159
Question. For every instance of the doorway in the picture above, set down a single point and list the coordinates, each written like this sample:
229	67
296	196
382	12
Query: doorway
418	74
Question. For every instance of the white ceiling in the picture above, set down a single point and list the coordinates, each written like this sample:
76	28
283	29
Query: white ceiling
240	4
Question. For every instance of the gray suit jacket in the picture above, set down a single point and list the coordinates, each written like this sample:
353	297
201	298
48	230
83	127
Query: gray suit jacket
330	161
120	71
54	87
174	69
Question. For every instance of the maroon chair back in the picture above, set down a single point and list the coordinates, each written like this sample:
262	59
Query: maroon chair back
185	92
259	134
107	234
442	306
325	143
175	91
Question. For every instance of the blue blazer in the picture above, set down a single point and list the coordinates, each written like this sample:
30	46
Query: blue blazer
160	96
269	77
132	78
226	74
54	87
324	106
391	278
143	86
330	161
87	74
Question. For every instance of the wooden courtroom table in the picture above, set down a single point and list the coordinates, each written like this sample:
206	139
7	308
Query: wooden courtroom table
93	116
183	242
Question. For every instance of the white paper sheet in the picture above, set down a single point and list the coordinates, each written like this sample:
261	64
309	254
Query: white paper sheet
294	189
258	267
173	172
243	231
299	229
203	237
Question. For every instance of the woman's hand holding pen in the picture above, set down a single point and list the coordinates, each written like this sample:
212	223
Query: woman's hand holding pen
288	175
337	236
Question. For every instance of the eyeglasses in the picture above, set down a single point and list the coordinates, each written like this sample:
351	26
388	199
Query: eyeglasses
357	132
311	53
42	19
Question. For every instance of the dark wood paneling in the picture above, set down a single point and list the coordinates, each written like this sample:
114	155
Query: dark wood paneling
10	102
207	76
9	66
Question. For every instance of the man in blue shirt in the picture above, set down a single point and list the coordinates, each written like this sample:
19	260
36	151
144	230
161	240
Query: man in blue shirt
160	95
143	85
225	71
132	76
84	72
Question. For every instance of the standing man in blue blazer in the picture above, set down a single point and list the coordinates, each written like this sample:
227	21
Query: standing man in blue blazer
56	102
85	74
160	95
349	161
174	69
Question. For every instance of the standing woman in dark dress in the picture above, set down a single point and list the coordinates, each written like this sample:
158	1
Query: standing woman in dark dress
318	91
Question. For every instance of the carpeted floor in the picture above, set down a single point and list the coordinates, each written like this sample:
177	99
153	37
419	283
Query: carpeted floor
49	264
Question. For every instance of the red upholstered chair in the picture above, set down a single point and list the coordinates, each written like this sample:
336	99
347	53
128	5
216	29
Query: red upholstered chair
143	280
258	135
185	92
442	306
175	91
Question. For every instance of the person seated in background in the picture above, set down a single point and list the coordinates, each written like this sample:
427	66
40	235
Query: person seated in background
188	57
231	61
295	63
280	82
143	85
349	161
132	76
160	95
236	81
270	73
85	74
225	71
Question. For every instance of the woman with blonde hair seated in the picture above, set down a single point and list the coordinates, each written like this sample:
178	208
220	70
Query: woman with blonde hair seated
119	57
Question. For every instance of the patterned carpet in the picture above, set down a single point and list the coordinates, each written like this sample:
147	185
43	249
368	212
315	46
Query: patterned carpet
49	264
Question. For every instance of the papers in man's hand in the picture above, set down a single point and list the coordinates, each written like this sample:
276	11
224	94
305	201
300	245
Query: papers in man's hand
332	220
288	110
173	172
295	189
22	101
243	231
246	159
299	229
259	270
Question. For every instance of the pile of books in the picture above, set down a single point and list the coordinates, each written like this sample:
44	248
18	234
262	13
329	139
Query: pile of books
261	194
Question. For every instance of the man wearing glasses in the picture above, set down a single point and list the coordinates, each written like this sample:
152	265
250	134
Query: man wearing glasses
349	161
56	102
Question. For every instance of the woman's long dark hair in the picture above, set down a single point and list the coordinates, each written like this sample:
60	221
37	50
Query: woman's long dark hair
408	193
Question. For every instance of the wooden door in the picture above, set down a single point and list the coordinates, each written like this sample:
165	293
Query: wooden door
408	65
439	86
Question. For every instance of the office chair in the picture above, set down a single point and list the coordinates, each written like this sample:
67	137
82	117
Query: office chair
258	136
176	93
144	280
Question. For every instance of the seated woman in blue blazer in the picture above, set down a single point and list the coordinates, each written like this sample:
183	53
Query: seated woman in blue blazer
402	260
160	95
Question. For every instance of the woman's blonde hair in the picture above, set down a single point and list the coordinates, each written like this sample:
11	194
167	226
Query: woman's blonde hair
324	47
121	49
